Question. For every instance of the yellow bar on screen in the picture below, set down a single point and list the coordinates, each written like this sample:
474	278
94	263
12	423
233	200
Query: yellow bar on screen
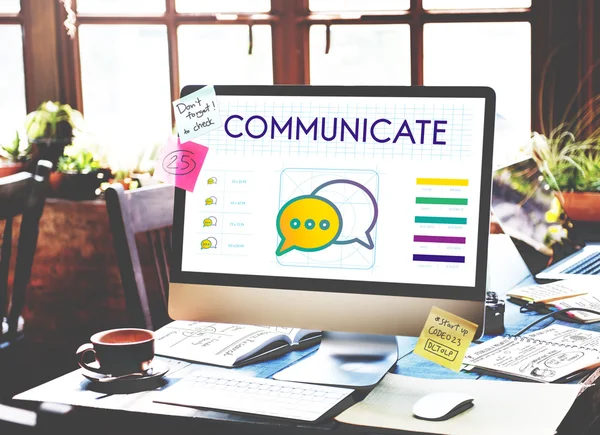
442	181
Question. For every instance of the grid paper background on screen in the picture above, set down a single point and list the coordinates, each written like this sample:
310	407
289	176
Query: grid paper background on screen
427	194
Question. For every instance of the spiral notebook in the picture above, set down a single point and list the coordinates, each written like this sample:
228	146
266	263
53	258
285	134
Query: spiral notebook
554	354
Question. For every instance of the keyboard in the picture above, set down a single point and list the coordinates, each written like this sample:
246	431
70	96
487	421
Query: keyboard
589	265
233	392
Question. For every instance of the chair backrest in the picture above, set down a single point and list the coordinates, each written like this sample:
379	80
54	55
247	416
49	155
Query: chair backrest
146	211
22	194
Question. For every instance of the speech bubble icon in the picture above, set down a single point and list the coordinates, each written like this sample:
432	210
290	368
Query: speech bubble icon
211	201
209	242
358	208
212	180
307	223
210	221
213	242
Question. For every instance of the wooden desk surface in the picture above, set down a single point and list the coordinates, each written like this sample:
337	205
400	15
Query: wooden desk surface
136	413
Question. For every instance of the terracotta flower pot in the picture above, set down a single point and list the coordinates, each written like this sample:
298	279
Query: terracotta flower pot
9	168
581	206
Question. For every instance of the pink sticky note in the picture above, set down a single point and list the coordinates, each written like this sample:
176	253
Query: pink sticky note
180	163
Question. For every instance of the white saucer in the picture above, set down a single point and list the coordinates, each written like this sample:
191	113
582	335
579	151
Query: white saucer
157	370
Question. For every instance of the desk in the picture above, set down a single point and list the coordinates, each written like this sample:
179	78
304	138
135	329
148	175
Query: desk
136	413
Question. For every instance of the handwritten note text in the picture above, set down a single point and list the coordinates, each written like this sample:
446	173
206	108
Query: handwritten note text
197	113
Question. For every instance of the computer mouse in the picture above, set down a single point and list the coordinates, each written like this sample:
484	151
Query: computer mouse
442	405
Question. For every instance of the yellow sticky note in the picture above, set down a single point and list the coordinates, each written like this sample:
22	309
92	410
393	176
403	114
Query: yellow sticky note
445	338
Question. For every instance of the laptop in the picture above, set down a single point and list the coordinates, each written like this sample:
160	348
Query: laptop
523	202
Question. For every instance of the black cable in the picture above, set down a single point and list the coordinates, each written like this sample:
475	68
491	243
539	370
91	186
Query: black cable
552	314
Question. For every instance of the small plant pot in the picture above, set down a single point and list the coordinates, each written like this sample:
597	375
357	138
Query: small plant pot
9	168
75	186
581	206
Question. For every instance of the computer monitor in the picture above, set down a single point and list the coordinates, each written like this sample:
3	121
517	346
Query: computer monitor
338	208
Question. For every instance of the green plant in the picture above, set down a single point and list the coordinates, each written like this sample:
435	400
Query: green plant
77	161
17	151
52	120
569	155
568	165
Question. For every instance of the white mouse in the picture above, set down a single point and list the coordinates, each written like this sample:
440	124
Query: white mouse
442	406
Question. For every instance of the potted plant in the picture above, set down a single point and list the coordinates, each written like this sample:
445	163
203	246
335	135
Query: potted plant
571	167
14	156
50	129
78	175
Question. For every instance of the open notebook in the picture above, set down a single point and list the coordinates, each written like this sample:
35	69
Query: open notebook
554	354
228	345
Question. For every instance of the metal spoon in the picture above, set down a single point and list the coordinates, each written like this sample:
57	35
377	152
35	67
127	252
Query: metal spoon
127	376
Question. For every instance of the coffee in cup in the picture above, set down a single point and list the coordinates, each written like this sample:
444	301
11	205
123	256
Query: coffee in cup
119	351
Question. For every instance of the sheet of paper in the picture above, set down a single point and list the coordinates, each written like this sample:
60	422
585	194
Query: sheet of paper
531	359
516	408
589	301
212	343
567	336
197	113
180	163
551	291
74	389
445	338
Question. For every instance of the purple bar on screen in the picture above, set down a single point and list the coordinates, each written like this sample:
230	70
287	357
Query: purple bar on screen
439	258
440	239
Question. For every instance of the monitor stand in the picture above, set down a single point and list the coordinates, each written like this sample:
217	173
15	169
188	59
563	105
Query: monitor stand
345	359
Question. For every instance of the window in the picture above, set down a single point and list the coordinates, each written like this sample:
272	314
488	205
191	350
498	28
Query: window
360	55
475	4
149	50
125	83
12	83
135	56
441	42
11	7
358	5
120	7
498	58
225	59
223	6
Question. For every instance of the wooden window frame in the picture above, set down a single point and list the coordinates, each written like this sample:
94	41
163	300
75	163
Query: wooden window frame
290	22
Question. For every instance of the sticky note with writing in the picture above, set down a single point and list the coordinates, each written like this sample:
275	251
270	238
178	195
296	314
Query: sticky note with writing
197	113
180	163
445	338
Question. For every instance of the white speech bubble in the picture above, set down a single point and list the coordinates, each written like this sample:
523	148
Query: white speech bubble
358	208
213	242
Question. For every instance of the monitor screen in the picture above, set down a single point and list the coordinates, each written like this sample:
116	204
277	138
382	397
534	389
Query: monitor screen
365	190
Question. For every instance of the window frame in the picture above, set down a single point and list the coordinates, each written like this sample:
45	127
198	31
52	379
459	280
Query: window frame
290	22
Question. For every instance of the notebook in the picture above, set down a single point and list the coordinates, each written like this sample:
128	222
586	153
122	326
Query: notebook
228	345
572	293
554	354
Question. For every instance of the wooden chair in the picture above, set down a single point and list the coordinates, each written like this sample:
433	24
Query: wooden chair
22	194
139	213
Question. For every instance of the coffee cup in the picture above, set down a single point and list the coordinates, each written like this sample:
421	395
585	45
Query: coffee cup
119	351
